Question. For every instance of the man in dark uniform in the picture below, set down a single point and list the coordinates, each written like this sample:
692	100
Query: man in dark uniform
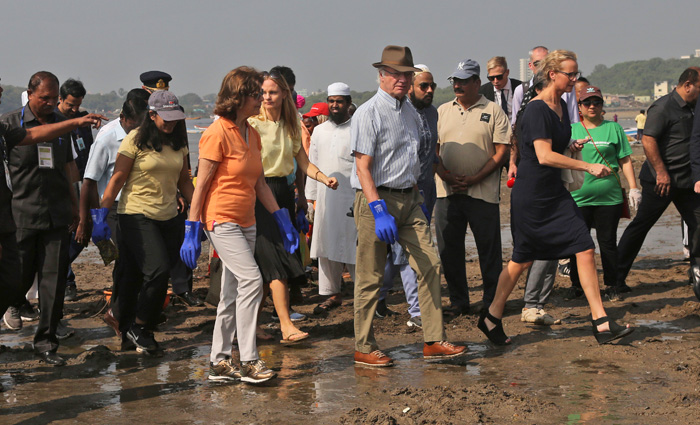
39	178
70	98
665	176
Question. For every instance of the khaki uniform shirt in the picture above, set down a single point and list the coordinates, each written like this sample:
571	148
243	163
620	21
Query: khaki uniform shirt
466	138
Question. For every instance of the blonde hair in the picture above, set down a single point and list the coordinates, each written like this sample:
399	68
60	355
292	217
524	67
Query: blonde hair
495	62
553	60
289	113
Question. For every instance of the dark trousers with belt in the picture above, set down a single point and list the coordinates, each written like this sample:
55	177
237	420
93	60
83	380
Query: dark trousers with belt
605	219
147	250
45	251
452	215
687	203
10	274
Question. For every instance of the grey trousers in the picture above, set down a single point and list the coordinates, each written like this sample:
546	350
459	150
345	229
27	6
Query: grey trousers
241	292
540	281
330	275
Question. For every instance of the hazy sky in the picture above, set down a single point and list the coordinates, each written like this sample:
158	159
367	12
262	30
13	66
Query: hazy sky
107	44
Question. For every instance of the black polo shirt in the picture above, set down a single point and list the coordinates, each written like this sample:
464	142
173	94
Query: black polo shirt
41	196
9	138
670	122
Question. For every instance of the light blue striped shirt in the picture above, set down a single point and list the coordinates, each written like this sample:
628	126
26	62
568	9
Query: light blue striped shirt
388	130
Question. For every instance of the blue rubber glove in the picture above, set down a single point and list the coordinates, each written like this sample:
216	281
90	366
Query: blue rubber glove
384	224
302	222
100	229
192	245
290	236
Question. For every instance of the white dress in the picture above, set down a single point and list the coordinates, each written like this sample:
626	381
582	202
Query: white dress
334	233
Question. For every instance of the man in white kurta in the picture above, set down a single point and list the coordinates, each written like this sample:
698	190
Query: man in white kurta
334	237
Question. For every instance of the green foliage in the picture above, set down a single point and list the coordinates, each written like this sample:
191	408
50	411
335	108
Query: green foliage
107	103
638	77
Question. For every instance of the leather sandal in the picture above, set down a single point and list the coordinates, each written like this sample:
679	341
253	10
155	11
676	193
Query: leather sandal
495	335
616	331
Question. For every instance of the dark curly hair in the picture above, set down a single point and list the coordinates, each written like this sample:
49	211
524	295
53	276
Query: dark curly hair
237	84
149	137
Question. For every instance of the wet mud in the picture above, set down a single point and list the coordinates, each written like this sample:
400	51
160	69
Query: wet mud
549	375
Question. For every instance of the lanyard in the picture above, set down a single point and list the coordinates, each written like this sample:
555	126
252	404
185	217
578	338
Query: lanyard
21	118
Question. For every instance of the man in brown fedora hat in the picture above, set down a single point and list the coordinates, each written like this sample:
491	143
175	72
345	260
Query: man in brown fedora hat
385	136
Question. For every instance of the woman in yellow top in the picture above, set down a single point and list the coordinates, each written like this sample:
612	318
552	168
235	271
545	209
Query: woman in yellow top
150	168
280	133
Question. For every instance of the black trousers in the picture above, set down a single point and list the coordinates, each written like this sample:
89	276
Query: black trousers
605	219
147	250
687	203
180	274
45	251
452	215
10	273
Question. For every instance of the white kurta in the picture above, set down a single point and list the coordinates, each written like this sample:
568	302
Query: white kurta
334	234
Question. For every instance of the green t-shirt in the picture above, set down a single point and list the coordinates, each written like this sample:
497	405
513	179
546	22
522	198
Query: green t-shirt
611	141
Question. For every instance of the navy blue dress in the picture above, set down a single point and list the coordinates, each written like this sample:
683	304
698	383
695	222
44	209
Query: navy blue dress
546	224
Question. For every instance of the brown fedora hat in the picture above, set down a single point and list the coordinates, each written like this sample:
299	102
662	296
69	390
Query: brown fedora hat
398	58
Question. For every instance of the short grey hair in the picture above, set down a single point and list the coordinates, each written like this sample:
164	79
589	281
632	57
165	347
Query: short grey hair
533	51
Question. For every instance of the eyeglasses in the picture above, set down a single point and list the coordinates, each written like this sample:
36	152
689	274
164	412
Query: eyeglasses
591	102
396	74
573	76
498	77
536	64
424	86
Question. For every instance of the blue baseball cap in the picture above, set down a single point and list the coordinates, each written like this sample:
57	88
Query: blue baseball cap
466	69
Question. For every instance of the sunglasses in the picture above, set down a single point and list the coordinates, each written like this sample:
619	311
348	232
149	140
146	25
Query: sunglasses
256	95
591	102
495	77
573	76
424	86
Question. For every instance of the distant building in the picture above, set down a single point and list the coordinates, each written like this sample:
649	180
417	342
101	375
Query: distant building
525	72
642	99
611	99
686	57
697	53
303	92
661	89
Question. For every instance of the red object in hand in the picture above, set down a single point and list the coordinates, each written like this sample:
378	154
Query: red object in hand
510	182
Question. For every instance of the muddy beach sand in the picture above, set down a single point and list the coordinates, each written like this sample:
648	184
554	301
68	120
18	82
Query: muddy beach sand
550	375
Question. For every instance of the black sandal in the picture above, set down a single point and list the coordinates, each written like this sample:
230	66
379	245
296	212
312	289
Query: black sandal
616	331
495	335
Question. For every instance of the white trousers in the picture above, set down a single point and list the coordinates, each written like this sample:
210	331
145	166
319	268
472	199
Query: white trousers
241	292
330	275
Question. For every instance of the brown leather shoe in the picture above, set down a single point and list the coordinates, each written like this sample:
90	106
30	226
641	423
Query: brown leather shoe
442	350
376	359
110	320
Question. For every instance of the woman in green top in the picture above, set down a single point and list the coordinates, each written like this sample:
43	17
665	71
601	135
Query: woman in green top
600	199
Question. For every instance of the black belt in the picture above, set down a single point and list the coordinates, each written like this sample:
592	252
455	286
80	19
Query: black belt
391	189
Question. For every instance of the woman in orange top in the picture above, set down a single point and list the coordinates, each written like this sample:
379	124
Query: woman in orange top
230	180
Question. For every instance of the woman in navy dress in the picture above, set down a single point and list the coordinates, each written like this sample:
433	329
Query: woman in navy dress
545	221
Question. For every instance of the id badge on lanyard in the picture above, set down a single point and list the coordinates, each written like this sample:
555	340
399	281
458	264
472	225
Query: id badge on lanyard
45	155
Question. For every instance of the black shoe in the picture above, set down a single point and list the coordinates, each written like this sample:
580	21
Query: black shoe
28	313
190	299
616	331
613	294
694	274
455	311
51	358
142	338
382	310
71	293
573	292
127	345
496	335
